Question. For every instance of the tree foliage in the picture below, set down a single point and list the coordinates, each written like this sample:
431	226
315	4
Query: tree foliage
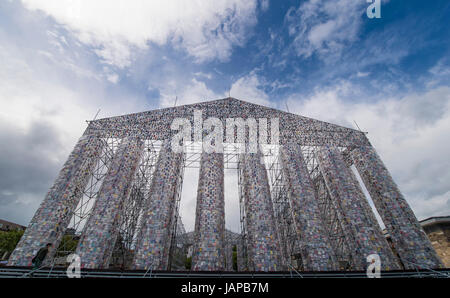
188	263
9	240
68	244
235	258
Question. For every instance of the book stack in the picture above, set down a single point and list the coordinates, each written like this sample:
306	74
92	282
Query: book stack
263	248
360	227
406	233
101	230
153	244
209	250
317	252
51	219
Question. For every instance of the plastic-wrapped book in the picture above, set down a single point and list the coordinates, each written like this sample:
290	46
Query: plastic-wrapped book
362	232
209	236
101	230
263	248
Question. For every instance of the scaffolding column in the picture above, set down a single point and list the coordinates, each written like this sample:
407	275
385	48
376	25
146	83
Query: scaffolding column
154	238
316	251
408	237
362	232
53	216
101	230
209	235
263	248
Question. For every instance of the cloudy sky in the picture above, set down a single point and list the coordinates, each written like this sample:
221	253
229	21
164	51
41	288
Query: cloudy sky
62	60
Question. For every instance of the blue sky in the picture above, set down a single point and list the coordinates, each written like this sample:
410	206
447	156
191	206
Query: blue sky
64	60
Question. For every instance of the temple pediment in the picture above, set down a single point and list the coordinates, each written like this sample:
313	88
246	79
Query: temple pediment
155	124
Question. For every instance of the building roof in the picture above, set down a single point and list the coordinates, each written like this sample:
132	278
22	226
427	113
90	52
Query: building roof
227	103
435	220
155	124
4	223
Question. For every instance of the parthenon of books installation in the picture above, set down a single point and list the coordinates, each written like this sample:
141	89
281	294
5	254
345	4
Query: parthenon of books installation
301	204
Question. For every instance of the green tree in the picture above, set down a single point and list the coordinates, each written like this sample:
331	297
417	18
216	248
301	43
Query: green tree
9	240
68	244
188	263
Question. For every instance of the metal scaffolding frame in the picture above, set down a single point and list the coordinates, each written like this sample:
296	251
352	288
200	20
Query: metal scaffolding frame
291	243
332	224
132	213
133	206
178	227
81	213
289	239
154	126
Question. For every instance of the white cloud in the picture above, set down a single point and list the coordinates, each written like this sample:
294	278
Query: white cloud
248	88
265	5
360	74
205	29
185	93
320	33
324	26
441	68
438	205
203	75
408	132
29	94
440	72
114	52
25	98
42	115
113	78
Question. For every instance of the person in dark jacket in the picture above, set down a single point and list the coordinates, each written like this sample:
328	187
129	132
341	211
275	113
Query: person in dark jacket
40	256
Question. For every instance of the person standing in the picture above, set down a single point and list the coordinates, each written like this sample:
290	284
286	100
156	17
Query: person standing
40	256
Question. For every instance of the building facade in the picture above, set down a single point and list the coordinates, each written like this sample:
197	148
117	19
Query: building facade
9	226
438	230
123	170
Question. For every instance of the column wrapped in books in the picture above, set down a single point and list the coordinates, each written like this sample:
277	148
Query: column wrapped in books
101	230
317	252
50	221
408	237
154	238
363	234
209	235
263	247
